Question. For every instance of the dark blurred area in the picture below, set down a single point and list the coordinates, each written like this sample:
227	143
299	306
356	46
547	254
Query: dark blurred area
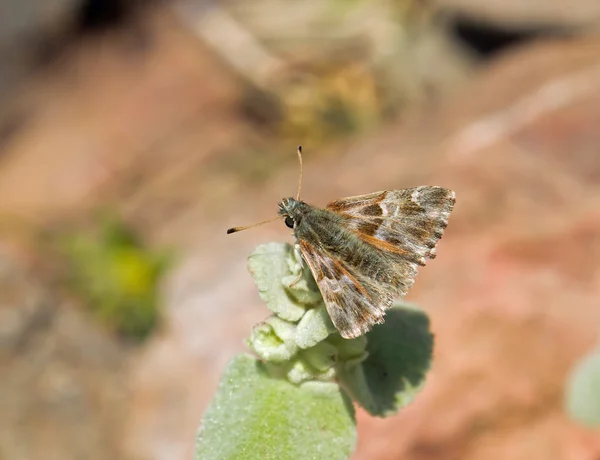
134	133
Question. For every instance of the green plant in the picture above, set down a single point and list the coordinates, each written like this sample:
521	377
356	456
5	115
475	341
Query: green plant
117	277
583	390
295	401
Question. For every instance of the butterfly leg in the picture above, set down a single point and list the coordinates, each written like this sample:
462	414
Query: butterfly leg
298	255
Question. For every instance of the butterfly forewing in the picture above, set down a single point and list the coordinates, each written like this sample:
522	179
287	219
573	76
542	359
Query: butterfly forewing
407	222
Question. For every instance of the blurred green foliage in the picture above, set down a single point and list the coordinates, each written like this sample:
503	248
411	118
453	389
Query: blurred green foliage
117	277
330	102
337	68
583	390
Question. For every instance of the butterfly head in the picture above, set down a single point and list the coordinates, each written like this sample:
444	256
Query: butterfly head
292	210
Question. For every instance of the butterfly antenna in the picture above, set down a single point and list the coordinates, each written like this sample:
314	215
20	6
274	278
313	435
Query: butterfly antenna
239	229
300	178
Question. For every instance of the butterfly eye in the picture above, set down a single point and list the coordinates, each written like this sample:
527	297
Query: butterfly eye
289	222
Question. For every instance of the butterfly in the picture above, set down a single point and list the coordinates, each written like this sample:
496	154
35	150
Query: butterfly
364	251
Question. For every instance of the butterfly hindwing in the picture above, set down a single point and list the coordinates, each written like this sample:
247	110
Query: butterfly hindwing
354	302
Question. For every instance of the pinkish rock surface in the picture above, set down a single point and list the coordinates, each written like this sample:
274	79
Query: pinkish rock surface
513	294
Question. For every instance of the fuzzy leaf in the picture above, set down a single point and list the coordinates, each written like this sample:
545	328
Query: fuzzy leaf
254	416
322	356
273	339
583	391
301	371
314	327
399	356
268	265
301	284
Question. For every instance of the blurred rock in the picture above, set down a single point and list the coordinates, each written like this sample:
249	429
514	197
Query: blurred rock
101	117
37	32
580	14
22	24
329	69
62	386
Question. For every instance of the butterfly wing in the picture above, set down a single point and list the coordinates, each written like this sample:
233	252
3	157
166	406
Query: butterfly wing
353	302
406	223
370	251
400	228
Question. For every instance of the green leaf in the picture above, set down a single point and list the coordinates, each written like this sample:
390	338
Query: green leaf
268	265
273	339
314	327
116	276
301	371
321	357
254	416
399	356
583	391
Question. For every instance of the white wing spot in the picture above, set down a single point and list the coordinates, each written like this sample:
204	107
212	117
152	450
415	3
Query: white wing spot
414	196
384	209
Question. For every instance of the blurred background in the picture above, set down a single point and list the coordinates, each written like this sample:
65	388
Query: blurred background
132	134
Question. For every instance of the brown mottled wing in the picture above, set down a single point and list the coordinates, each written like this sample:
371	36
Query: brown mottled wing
353	301
402	226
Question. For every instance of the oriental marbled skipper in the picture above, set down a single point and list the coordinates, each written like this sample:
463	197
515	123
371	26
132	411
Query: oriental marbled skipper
364	251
